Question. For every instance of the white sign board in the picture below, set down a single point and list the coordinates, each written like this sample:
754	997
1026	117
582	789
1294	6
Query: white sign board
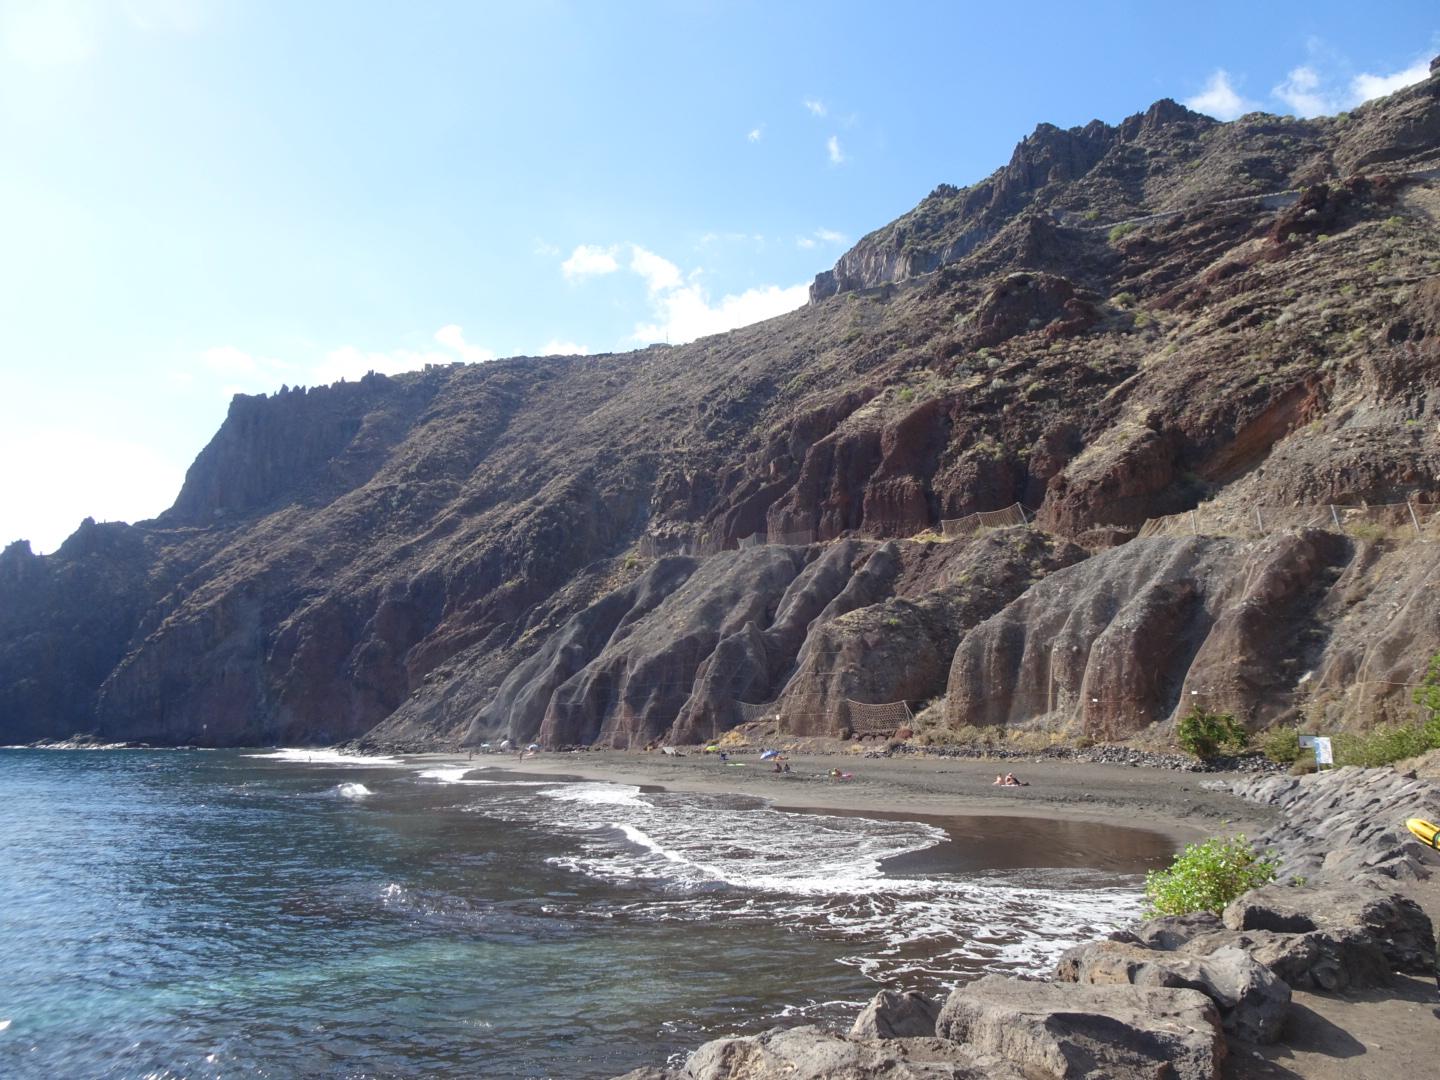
1323	753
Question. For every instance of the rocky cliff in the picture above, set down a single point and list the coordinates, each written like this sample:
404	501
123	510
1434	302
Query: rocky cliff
1169	321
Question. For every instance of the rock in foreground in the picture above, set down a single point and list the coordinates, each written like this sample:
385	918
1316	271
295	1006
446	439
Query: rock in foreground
1066	1031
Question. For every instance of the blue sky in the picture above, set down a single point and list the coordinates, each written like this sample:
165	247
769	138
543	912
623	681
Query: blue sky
199	197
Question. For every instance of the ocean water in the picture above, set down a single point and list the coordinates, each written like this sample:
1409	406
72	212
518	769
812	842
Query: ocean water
294	913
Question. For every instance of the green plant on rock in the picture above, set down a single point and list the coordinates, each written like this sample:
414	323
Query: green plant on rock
1207	876
1427	696
1119	232
1204	733
1281	745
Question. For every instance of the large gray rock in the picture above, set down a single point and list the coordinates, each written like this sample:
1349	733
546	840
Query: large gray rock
811	1053
1331	960
1171	931
1068	1031
1395	924
1251	998
896	1015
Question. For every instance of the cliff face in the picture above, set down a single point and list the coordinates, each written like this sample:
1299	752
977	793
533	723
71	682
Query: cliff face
552	548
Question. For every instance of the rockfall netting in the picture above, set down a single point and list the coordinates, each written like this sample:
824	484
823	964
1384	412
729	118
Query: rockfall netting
1014	514
1385	521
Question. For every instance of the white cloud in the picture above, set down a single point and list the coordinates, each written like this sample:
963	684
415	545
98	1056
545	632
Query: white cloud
545	249
557	347
756	134
454	338
588	260
1309	91
74	473
1365	86
815	106
832	146
1220	99
686	313
659	274
1303	95
806	242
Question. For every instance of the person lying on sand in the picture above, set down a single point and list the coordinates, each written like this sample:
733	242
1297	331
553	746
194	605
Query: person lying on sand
998	781
1012	781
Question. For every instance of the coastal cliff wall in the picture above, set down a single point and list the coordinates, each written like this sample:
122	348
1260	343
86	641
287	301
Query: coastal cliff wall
566	549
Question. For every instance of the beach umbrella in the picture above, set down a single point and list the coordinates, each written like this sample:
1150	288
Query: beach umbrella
766	755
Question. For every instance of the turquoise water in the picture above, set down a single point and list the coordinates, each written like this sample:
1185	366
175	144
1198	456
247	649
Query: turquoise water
205	914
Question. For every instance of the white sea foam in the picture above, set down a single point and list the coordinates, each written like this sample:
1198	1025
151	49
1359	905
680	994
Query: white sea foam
599	794
445	776
304	756
351	791
706	857
4	1024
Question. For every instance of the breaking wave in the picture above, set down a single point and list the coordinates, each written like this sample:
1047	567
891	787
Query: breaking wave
719	857
304	756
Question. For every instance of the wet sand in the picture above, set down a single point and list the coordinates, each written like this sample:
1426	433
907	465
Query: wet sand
1174	804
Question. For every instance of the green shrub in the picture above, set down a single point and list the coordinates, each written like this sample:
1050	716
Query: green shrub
1119	232
1203	733
1386	743
1123	299
1281	745
1206	877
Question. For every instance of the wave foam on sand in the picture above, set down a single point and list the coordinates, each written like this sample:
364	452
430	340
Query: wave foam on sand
726	857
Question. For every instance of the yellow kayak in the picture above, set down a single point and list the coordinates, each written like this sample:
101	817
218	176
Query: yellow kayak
1426	831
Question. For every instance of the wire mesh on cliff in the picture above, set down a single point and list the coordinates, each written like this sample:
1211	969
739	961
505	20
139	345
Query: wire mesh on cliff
1015	514
1385	521
869	719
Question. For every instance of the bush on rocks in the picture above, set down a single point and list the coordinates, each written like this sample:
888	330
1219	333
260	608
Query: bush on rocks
1206	877
1204	733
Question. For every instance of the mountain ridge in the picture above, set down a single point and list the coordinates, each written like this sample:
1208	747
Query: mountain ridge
547	547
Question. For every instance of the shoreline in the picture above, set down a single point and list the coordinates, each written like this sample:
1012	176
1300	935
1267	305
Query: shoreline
1175	805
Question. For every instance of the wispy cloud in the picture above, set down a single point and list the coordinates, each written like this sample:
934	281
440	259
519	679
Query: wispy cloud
832	147
588	260
1220	99
815	106
1303	95
756	133
820	236
1308	90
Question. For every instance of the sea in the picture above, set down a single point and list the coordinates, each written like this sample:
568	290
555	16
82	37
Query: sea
301	913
